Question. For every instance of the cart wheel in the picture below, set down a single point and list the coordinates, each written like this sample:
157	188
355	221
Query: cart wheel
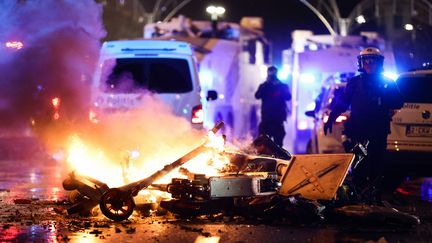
116	204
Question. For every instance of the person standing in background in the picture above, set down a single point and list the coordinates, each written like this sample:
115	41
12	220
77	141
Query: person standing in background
273	94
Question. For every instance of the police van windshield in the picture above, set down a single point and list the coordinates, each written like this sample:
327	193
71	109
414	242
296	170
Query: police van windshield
159	75
416	89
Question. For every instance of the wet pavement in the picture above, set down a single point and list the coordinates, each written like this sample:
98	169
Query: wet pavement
32	210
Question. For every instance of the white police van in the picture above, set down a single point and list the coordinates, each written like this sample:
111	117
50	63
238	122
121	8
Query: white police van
129	68
333	87
411	127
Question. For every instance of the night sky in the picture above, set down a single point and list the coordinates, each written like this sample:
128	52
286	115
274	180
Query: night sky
281	17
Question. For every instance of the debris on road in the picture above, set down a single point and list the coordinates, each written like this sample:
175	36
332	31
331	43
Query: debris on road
376	215
274	185
22	201
117	203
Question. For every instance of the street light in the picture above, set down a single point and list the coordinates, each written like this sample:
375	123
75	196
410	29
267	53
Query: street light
409	27
215	11
360	19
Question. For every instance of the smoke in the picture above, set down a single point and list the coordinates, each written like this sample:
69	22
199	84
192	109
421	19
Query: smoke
152	130
60	47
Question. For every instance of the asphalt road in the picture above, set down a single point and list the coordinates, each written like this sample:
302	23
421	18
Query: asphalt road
32	210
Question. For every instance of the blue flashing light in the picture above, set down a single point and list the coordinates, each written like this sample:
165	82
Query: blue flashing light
206	78
307	78
391	75
284	73
311	106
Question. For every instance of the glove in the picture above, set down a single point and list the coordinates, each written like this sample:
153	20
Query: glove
328	126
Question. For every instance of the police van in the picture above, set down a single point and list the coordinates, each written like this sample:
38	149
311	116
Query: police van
127	69
331	90
411	127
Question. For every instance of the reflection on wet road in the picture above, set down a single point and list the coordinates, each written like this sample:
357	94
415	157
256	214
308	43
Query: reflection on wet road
33	178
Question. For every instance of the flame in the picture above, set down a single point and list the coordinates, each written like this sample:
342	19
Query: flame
93	163
14	44
96	163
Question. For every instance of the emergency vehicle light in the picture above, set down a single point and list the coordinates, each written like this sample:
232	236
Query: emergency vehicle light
206	78
339	119
14	44
197	114
391	75
307	78
284	73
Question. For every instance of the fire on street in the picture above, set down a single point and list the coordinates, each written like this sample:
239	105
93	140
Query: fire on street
33	209
112	122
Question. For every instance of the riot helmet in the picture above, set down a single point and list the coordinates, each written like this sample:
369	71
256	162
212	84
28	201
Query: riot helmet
369	57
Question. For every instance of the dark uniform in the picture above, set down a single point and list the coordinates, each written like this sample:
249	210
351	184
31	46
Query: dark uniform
274	95
372	98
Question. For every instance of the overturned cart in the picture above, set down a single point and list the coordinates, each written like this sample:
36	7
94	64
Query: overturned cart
118	203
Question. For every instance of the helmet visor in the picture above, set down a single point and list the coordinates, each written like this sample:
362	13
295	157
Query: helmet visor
371	60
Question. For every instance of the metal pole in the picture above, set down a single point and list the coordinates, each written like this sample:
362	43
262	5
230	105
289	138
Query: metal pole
153	16
377	9
174	11
335	9
320	16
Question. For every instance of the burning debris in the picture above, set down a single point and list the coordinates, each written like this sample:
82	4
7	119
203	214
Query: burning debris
278	185
118	203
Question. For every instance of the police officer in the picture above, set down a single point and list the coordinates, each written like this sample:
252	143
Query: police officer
372	98
274	95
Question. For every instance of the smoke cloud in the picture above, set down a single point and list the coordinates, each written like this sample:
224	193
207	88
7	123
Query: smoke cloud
60	47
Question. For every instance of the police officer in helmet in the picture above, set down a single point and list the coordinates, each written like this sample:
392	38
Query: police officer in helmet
372	98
